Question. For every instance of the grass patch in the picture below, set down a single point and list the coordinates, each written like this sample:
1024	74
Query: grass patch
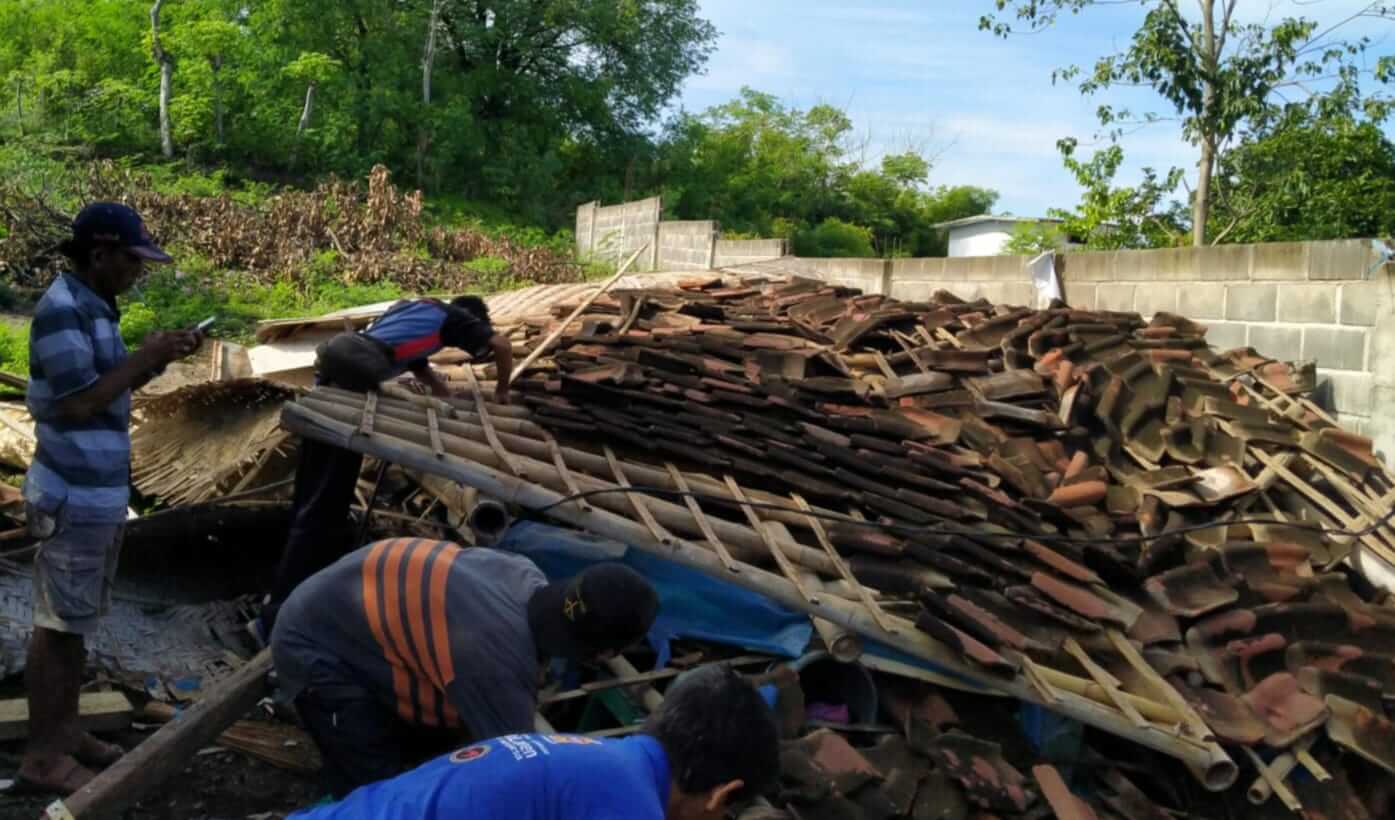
167	301
14	348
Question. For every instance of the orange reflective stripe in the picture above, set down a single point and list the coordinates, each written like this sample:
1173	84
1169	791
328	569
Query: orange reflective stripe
416	611
426	698
452	717
372	592
440	634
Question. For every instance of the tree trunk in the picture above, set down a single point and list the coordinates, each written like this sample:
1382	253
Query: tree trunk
1210	60
1201	208
217	65
306	111
304	120
166	63
427	59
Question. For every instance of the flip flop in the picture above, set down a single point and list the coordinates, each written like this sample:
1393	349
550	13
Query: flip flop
98	753
74	776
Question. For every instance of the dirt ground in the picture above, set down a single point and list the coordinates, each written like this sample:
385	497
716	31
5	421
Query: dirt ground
218	784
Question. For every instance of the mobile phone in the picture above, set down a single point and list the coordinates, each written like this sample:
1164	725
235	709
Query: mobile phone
202	327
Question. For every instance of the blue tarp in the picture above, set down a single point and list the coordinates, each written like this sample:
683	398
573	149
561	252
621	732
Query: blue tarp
691	604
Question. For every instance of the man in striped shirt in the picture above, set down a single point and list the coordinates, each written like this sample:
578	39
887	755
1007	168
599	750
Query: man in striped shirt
419	643
80	384
401	340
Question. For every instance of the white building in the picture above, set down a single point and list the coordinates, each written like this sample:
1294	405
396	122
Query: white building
986	234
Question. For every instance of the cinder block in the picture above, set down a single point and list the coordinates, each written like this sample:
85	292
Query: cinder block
1335	348
1019	294
1352	393
1010	268
1225	335
1362	303
914	291
1136	266
1307	303
1339	259
980	268
1253	303
1151	299
962	268
1112	296
1088	267
1201	301
1279	341
1279	261
1081	296
918	269
1224	262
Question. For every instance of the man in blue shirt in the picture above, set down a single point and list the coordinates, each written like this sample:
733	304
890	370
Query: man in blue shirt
77	488
401	340
712	746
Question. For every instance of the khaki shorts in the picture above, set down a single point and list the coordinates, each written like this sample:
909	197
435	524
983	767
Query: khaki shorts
73	571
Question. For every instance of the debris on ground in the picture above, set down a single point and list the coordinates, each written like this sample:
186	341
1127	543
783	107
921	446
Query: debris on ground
1058	562
1171	545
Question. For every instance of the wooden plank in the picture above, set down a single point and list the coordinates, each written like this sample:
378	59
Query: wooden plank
873	608
580	309
1108	682
701	519
370	414
168	751
660	534
97	711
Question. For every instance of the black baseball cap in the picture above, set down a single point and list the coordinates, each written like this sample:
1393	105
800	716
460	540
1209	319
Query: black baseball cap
120	225
608	607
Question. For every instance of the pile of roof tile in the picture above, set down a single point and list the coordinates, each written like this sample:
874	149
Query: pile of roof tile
1076	489
1081	509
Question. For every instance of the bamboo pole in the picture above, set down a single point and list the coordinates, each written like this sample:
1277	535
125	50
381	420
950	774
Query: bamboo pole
580	309
1078	699
168	750
744	543
525	437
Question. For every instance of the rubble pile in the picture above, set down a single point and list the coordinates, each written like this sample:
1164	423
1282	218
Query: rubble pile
1080	509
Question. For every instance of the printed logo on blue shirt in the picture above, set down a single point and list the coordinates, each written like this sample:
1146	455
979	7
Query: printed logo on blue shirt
469	753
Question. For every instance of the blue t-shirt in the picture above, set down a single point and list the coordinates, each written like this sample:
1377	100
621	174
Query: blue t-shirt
521	777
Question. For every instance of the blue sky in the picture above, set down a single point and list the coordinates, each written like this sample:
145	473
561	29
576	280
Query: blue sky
920	73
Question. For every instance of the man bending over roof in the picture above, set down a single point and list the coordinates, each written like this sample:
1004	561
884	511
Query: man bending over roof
402	339
711	747
412	645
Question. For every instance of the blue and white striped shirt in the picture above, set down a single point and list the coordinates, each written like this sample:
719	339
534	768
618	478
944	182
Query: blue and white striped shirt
83	467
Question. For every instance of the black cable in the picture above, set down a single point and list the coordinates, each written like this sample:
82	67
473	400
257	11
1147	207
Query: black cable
959	529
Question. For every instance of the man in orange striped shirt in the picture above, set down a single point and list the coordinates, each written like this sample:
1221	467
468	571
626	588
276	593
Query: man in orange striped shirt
415	642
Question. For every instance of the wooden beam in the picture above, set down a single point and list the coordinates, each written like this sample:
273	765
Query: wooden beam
168	751
97	711
580	309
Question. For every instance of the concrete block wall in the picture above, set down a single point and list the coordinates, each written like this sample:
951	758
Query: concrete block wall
687	245
613	232
1327	302
733	252
1306	301
999	279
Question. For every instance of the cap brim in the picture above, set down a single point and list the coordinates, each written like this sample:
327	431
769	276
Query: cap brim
150	253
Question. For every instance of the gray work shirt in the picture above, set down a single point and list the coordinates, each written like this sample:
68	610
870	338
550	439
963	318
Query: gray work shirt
435	632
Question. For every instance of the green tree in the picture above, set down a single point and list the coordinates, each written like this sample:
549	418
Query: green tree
763	168
1032	238
1218	75
1323	171
1109	216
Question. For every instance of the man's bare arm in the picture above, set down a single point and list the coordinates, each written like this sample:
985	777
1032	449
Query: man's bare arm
139	368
